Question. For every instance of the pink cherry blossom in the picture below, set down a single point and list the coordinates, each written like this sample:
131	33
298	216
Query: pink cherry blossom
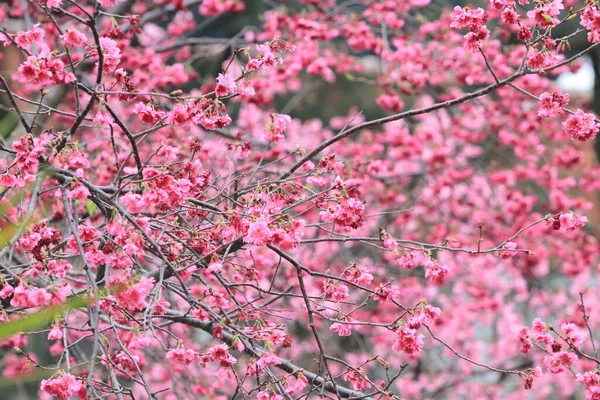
217	199
181	355
63	386
73	38
581	126
408	341
552	104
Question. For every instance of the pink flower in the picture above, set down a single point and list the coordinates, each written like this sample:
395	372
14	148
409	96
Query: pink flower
266	395
390	102
58	294
357	379
390	243
589	380
545	15
108	3
7	291
30	241
73	38
147	113
7	180
434	271
267	360
474	40
539	326
226	84
16	368
45	71
540	330
219	352
267	58
406	260
509	16
559	362
426	316
341	329
131	297
541	59
34	35
212	8
468	18
535	373
386	293
348	213
253	64
275	129
320	66
408	341
55	333
102	118
215	267
259	233
63	387
289	237
358	275
526	343
337	293
181	355
572	333
293	388
24	297
59	268
139	342
590	19
111	53
507	253
54	3
552	104
581	126
79	192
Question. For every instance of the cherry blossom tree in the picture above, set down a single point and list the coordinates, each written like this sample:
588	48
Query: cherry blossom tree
169	232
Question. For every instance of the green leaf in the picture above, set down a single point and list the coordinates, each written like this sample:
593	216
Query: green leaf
41	318
91	208
7	231
8	125
571	16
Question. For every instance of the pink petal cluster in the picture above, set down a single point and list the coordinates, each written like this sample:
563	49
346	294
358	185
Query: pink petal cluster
581	126
408	341
182	355
213	8
474	20
64	387
111	54
73	38
131	295
45	71
552	104
275	129
347	213
34	35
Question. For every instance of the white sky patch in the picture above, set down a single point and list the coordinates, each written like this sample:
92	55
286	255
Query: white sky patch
582	81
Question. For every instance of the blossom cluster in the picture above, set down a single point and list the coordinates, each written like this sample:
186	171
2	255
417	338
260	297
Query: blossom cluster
347	199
